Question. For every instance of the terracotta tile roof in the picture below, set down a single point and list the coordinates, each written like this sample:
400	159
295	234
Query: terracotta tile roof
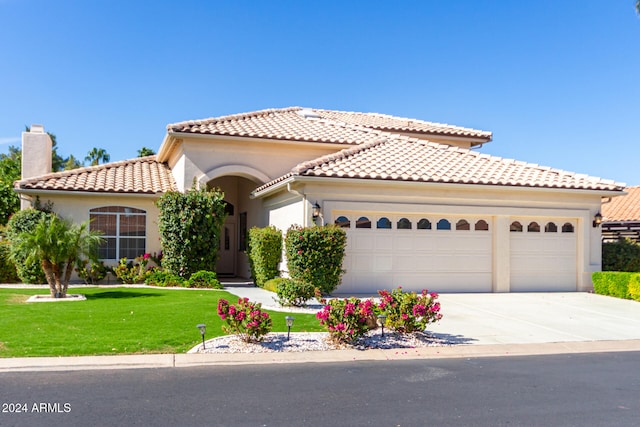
386	122
408	159
623	208
143	175
304	124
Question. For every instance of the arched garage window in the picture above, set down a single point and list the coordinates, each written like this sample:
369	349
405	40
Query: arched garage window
343	221
567	227
124	230
463	224
533	227
363	222
383	223
443	224
515	227
424	224
551	228
404	224
482	225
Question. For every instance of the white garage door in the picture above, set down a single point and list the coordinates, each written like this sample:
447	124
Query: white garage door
543	255
435	253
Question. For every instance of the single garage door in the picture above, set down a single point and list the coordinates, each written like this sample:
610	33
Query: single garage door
543	255
441	254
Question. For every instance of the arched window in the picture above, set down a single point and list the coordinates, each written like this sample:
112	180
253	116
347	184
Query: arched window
567	227
343	222
404	224
516	227
383	223
463	224
551	228
533	227
424	224
443	224
363	222
482	225
124	230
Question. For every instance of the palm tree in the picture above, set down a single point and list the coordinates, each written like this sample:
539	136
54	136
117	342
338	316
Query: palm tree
97	155
144	152
58	244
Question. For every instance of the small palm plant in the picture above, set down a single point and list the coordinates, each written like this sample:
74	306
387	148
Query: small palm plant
58	243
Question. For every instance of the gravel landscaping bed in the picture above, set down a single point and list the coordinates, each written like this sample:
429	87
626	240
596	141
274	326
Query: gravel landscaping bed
317	341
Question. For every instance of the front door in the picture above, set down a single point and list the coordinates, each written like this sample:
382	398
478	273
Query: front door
227	250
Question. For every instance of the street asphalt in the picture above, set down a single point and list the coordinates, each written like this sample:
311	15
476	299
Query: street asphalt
478	325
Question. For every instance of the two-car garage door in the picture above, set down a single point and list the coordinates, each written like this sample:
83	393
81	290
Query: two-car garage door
453	254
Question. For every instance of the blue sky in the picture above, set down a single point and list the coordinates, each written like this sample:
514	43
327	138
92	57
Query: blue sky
557	82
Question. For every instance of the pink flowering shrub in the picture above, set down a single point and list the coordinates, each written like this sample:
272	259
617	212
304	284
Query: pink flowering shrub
246	320
346	319
409	312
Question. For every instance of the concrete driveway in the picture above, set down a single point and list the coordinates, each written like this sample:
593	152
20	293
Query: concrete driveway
529	318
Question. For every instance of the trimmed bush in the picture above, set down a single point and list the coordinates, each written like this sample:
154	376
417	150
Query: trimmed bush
164	279
613	283
246	320
25	221
130	272
346	319
8	272
189	225
634	287
272	285
315	255
407	311
292	292
92	272
204	279
622	255
264	248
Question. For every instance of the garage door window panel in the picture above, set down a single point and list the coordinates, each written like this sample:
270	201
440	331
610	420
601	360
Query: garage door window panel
404	224
363	222
567	228
343	222
551	228
424	224
482	225
515	227
463	225
443	224
533	227
383	224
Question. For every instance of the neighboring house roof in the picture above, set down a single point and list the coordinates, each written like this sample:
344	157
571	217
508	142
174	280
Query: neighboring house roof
143	175
400	158
315	125
623	208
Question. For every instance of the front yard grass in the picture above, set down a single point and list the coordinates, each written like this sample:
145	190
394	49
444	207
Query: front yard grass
117	321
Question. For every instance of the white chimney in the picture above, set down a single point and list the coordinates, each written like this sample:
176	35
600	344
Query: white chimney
36	153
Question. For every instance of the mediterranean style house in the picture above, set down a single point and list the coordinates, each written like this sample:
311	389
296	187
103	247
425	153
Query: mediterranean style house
421	205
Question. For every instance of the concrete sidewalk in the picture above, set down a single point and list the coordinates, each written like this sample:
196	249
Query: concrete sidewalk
479	325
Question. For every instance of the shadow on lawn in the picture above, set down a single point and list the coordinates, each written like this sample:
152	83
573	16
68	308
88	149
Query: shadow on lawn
120	295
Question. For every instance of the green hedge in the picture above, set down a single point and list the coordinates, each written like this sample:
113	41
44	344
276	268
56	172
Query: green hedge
612	283
634	287
315	255
264	248
8	273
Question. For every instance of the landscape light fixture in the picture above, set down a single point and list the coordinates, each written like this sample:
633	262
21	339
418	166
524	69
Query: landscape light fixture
289	321
203	330
316	210
382	318
597	219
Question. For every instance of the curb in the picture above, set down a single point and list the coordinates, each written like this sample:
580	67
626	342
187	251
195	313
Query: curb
154	361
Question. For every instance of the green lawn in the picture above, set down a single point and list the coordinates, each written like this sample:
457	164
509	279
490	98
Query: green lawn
116	321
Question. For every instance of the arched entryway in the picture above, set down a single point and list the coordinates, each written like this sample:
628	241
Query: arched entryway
242	214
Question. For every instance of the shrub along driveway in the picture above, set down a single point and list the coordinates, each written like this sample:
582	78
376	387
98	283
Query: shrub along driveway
525	318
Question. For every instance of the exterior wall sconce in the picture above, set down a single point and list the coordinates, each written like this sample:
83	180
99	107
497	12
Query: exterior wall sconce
203	330
316	211
597	219
289	321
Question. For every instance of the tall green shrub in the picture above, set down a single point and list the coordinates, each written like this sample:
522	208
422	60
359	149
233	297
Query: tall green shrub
25	221
8	273
634	287
315	255
622	255
190	226
264	248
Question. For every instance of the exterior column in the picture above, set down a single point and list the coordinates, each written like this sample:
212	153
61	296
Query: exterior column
501	254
